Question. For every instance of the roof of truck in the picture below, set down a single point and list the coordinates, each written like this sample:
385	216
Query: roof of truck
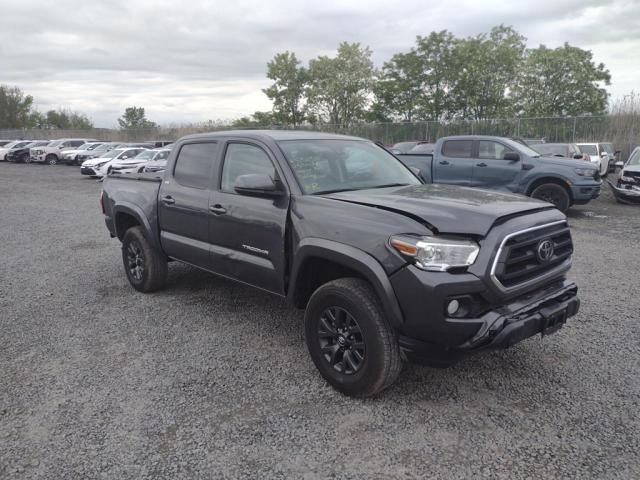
275	135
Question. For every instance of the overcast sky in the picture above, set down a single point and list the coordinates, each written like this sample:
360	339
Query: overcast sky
195	60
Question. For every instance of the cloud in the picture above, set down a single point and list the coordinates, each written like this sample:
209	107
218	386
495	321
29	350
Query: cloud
201	60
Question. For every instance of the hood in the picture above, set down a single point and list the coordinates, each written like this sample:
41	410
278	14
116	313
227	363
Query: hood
71	152
565	162
631	168
446	208
94	161
129	161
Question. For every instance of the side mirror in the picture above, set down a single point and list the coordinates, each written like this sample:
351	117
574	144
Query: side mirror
616	153
259	185
511	156
619	164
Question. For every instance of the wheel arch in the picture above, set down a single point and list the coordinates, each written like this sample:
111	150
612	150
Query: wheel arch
318	261
127	216
550	179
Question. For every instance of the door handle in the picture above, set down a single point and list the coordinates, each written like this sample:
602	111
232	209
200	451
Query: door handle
217	209
168	200
443	162
481	164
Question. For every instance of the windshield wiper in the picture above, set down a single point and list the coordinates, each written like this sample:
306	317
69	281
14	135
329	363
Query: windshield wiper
335	190
392	185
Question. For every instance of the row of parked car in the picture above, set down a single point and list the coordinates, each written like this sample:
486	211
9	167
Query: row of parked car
601	154
95	158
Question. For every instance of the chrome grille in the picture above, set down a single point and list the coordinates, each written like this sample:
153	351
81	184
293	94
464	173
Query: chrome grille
519	262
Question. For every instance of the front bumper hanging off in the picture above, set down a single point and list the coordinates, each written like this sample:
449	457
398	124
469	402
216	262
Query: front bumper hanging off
543	312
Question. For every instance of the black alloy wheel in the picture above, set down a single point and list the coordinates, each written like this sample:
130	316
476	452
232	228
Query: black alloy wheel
135	261
554	194
341	341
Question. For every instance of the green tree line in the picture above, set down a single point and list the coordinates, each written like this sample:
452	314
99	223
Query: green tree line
17	111
442	77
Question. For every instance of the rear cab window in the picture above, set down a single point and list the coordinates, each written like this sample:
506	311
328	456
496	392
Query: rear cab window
194	164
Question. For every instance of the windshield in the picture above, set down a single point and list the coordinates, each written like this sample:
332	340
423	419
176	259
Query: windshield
56	143
551	149
634	159
518	147
36	144
110	154
588	149
91	146
607	147
146	155
21	144
324	166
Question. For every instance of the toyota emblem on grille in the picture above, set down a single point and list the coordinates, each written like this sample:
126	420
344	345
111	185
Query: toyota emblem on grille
545	250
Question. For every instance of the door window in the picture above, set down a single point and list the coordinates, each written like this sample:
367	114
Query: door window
193	165
243	159
492	150
457	148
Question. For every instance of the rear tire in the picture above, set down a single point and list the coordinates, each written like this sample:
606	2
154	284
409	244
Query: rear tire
553	193
145	266
349	339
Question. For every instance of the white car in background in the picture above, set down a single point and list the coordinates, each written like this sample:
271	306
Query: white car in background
70	157
601	154
17	144
53	152
132	165
100	166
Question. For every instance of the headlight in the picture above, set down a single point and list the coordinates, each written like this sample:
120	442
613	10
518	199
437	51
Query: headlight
585	172
98	165
436	254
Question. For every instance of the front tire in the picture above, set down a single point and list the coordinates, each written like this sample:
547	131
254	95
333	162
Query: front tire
349	339
146	267
553	193
51	159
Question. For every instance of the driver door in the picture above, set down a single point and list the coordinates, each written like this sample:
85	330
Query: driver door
247	232
492	171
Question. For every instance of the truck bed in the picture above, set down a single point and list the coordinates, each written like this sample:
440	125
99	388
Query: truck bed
137	193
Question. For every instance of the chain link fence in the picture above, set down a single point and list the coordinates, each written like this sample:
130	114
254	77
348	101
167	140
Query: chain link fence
621	130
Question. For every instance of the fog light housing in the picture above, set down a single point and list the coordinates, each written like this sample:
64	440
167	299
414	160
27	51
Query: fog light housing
452	307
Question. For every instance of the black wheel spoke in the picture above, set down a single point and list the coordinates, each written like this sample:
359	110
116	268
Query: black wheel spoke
326	330
348	359
341	340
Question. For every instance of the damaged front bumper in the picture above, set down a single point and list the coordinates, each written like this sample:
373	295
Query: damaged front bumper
626	193
543	311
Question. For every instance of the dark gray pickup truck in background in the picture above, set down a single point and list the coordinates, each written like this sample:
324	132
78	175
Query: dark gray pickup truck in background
388	268
503	164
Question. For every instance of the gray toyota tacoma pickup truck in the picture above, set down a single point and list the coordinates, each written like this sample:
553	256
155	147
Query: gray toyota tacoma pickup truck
388	268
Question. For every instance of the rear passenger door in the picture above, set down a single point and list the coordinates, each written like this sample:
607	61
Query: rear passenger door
454	163
183	203
247	232
492	171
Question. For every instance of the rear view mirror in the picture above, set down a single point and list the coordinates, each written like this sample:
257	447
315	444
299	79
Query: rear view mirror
511	156
259	185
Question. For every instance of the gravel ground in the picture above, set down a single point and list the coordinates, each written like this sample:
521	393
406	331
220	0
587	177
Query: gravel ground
211	379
